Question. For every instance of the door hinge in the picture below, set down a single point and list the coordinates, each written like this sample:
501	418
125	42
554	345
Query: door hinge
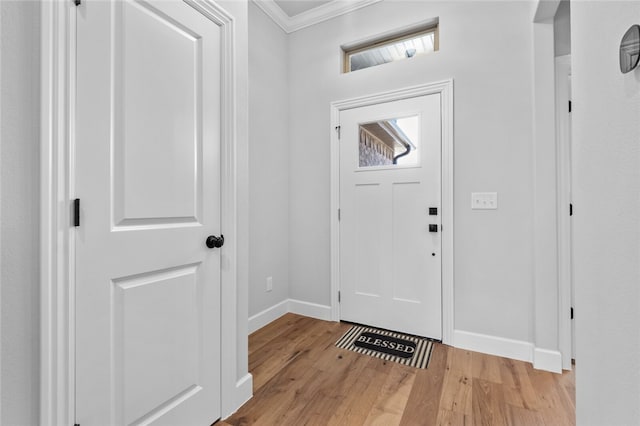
571	313
77	3
338	130
338	214
339	297
569	106
570	209
76	212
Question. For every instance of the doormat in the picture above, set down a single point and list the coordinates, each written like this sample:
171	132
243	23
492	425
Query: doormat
388	345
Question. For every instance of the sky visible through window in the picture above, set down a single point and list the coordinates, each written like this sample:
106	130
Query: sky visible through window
409	125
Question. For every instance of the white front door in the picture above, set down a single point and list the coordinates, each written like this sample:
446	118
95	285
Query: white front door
147	148
390	215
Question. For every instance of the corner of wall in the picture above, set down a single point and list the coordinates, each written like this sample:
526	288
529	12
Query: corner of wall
268	315
308	309
268	168
299	307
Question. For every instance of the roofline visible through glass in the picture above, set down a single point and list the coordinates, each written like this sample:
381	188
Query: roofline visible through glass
374	43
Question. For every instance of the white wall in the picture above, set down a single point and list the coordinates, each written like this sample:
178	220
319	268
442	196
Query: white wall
606	188
268	161
19	211
486	47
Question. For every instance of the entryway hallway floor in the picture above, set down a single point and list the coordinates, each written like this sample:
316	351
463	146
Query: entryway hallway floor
301	378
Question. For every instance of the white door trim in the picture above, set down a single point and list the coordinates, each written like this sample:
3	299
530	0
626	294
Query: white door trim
445	89
56	233
563	153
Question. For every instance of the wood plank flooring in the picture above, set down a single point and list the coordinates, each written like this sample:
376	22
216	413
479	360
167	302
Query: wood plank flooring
301	378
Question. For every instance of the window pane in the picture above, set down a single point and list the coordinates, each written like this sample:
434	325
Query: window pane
393	51
392	142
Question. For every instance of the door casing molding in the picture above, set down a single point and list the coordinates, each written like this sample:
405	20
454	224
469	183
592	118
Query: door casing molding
445	89
563	155
57	253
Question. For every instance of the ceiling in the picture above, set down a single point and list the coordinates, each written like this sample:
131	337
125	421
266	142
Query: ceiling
296	7
293	15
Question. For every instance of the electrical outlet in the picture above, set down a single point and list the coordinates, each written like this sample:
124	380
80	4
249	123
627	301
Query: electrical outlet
484	200
269	283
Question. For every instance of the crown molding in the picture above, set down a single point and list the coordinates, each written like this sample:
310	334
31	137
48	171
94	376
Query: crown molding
311	17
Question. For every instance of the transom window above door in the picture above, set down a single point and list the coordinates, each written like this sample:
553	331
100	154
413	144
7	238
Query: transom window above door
394	46
389	142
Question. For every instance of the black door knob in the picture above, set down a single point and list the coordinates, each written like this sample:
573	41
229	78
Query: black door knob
215	242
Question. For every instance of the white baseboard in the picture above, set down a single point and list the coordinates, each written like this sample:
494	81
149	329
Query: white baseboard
299	307
263	318
544	359
242	394
244	389
492	345
312	310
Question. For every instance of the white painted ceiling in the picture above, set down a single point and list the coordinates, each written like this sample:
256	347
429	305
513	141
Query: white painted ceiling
296	7
293	15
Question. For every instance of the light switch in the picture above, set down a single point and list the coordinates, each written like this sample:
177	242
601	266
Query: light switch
484	200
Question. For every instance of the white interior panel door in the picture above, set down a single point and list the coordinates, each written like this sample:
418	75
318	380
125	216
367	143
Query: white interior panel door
390	245
147	145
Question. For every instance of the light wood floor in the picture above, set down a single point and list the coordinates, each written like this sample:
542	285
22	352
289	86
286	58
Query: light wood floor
301	378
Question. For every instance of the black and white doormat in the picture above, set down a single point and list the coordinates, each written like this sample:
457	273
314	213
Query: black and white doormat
388	345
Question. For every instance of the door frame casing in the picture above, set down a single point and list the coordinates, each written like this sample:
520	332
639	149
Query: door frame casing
445	89
57	253
563	155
